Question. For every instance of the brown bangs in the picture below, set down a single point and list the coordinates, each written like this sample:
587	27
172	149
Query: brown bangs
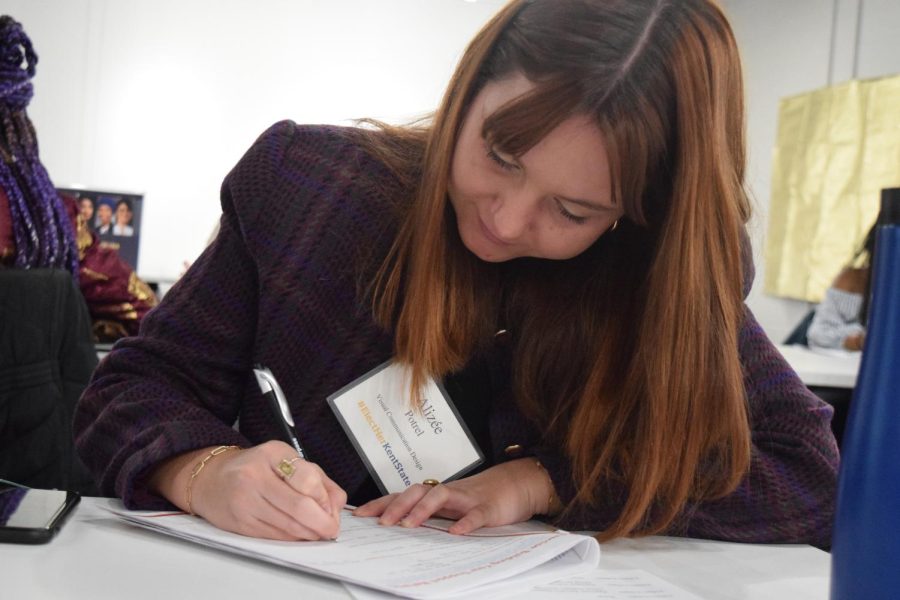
519	125
638	143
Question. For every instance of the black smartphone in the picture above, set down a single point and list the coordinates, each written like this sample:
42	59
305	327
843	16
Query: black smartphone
31	516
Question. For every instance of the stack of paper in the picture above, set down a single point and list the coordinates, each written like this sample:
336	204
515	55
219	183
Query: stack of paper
425	562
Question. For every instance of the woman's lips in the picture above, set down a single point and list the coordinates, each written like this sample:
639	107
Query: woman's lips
490	235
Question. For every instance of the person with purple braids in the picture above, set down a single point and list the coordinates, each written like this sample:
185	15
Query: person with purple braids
39	227
46	350
43	233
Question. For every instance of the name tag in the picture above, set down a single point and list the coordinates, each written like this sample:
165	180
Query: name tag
399	444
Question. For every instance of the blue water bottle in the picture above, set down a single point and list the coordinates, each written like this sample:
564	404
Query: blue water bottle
865	554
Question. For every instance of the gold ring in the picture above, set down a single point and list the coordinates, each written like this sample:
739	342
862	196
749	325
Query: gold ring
430	482
286	467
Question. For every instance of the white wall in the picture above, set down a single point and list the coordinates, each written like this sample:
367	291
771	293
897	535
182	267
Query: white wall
789	47
164	96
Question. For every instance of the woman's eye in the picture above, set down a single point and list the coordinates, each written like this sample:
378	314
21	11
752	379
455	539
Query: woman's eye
571	217
500	161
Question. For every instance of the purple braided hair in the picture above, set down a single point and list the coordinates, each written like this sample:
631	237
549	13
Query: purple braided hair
43	232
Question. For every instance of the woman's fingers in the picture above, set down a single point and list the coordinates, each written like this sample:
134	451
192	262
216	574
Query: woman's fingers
300	517
337	498
305	500
474	519
305	477
415	505
308	479
393	507
252	526
500	495
284	530
436	499
268	491
403	503
374	508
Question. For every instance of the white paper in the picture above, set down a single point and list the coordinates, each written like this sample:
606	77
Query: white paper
401	446
630	584
424	562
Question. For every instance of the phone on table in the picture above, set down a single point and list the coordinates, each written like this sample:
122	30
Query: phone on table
33	516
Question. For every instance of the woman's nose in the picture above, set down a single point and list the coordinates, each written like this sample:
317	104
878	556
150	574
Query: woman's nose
513	215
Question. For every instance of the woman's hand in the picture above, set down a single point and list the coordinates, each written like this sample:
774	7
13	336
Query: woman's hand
243	491
507	493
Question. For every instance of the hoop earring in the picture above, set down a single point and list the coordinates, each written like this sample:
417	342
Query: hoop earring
613	227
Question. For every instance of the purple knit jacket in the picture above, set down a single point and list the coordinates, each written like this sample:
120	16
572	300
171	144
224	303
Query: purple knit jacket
307	218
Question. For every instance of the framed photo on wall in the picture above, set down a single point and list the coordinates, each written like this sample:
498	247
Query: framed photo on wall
114	216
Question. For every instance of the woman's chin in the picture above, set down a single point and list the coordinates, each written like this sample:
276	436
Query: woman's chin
485	250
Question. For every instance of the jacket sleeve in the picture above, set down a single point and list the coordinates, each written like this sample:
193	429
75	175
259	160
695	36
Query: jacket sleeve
787	495
178	385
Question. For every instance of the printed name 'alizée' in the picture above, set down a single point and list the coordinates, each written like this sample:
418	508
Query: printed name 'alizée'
431	420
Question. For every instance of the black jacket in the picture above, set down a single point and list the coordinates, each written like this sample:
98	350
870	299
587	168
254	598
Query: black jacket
46	360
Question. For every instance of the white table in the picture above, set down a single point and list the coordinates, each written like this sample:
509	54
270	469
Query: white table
823	367
97	556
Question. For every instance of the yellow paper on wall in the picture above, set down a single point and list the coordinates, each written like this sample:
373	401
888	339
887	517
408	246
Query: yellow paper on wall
836	148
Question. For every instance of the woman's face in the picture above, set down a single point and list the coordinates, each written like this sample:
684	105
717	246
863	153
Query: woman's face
552	202
87	209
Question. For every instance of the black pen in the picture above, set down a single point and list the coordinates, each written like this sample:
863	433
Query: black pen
272	392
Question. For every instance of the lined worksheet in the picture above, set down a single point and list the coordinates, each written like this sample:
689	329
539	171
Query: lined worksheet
424	562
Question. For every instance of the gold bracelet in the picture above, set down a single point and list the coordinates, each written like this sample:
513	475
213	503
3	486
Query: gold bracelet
199	467
554	504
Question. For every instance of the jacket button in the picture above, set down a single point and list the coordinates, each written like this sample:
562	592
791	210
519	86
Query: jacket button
501	338
513	450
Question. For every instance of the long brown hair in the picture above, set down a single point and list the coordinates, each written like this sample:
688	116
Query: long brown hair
627	354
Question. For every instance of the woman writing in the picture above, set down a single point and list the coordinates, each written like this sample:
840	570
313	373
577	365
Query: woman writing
580	187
